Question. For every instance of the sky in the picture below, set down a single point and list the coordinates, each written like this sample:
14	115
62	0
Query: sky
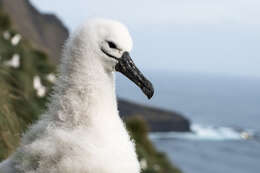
192	36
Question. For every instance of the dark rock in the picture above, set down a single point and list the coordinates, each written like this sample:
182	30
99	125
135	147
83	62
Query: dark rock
157	119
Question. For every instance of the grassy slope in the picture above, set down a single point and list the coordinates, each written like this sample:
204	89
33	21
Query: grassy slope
20	106
156	162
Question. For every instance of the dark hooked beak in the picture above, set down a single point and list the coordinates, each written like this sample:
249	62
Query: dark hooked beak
127	67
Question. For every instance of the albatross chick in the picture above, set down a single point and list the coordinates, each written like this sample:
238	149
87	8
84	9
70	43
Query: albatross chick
81	131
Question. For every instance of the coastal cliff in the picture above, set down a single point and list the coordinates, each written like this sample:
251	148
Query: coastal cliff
45	31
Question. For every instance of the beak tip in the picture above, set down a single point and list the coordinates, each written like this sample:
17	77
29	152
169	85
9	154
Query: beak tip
150	92
149	97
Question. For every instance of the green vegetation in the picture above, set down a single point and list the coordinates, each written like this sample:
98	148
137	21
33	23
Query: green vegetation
151	160
20	104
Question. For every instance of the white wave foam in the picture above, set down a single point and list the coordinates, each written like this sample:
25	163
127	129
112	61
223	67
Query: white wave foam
199	132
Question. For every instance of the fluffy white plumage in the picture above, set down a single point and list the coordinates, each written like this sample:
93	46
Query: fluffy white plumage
81	132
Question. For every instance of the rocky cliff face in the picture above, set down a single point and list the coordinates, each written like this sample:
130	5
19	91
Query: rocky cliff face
46	32
158	120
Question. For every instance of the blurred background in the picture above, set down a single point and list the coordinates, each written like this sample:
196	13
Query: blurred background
202	57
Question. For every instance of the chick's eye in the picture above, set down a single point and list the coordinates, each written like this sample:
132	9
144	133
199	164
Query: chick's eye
111	45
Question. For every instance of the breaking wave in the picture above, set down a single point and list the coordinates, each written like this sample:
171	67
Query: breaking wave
199	132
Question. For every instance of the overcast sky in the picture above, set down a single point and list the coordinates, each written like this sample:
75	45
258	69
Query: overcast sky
206	36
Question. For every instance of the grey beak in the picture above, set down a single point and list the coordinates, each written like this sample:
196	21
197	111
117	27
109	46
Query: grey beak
127	67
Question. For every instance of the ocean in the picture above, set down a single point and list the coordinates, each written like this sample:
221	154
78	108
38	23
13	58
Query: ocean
225	116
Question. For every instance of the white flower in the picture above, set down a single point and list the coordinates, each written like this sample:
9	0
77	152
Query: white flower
36	82
14	61
6	35
143	164
37	85
51	77
41	92
16	39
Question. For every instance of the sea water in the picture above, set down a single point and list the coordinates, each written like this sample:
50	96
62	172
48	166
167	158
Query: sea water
225	116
